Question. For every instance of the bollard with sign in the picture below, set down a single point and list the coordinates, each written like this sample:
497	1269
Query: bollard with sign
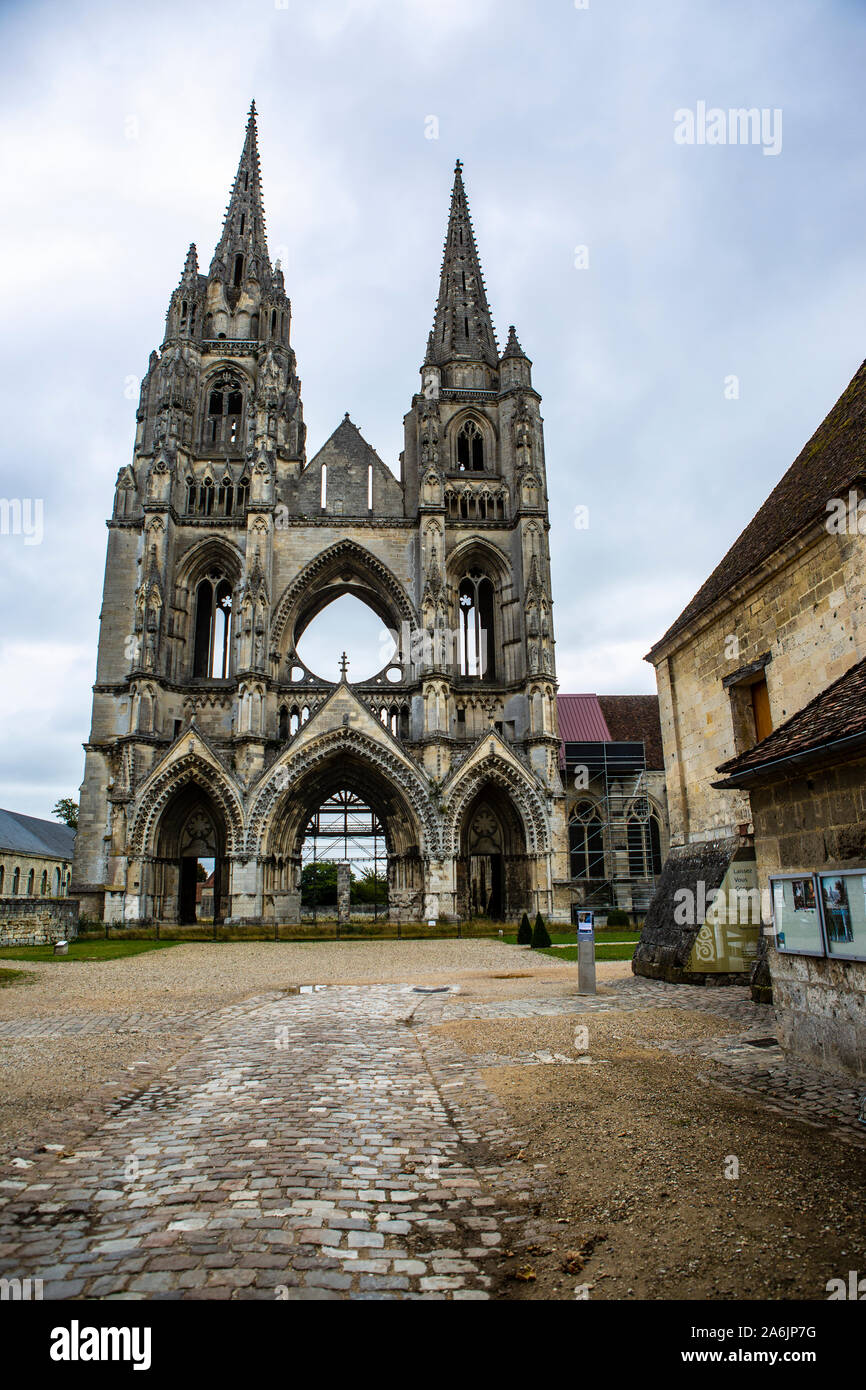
585	953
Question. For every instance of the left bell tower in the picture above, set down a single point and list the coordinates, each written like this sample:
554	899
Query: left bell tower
219	439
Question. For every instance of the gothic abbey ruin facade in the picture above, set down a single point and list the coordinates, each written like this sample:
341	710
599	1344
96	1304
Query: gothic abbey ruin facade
209	735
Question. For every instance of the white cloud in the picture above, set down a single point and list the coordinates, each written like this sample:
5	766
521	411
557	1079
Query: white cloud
702	262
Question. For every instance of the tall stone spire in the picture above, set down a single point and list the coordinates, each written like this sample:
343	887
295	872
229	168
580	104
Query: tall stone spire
242	250
462	328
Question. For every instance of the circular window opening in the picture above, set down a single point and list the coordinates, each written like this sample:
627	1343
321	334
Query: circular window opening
347	626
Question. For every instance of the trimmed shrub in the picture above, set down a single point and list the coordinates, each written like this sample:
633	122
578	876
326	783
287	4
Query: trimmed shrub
617	918
540	934
524	931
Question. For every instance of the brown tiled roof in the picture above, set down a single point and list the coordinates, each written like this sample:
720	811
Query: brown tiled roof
839	712
832	459
635	718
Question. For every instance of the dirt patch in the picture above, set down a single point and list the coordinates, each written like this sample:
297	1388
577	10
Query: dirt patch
638	1144
45	1081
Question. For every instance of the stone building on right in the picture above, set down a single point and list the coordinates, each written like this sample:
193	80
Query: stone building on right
762	692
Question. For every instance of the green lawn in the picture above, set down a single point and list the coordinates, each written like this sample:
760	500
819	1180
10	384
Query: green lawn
603	951
616	935
84	950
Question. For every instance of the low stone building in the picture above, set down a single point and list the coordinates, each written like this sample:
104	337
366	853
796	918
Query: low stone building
35	857
612	766
807	787
756	660
35	870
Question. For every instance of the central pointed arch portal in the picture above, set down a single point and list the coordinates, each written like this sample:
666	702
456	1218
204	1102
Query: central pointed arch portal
345	778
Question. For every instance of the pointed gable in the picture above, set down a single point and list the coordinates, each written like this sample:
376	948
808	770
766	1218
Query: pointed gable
350	463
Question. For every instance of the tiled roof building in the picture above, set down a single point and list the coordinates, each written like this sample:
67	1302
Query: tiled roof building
762	679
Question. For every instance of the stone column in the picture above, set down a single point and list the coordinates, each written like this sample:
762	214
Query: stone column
344	889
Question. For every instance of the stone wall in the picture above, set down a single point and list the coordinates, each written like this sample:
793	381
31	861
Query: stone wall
820	1009
665	945
806	609
56	869
37	921
816	822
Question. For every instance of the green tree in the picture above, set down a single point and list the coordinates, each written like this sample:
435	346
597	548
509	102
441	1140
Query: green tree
617	918
540	934
370	888
319	884
524	931
67	811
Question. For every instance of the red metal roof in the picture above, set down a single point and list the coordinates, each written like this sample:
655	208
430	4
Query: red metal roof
581	719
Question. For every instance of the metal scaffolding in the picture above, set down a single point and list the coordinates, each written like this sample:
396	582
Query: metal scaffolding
613	844
344	828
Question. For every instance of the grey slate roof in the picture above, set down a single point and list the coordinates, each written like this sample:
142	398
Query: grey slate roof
28	835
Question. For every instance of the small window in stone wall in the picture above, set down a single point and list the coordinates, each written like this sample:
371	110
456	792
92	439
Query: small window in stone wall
750	712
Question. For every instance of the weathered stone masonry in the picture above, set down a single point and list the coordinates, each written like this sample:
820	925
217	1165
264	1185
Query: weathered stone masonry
209	735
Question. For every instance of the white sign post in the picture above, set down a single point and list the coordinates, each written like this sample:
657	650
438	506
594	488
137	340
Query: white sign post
585	953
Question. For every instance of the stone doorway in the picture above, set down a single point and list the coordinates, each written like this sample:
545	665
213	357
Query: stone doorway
190	857
493	872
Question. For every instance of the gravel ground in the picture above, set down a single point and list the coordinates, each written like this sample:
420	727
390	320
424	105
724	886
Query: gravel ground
638	1141
203	976
42	1079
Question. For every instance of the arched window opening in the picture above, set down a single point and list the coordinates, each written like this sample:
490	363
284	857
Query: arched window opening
644	842
16	879
207	497
370	488
225	497
273	322
239	271
324	494
470	448
56	890
586	842
2	879
30	884
243	222
43	887
655	846
254	327
283	728
294	720
347	624
213	615
225	408
477	641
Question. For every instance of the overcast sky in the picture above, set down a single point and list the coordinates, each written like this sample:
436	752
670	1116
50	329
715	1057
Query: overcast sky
121	130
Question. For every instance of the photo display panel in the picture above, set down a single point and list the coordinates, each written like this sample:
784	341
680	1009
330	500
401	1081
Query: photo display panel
843	901
795	916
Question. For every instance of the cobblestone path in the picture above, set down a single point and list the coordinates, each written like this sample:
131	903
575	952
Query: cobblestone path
308	1146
